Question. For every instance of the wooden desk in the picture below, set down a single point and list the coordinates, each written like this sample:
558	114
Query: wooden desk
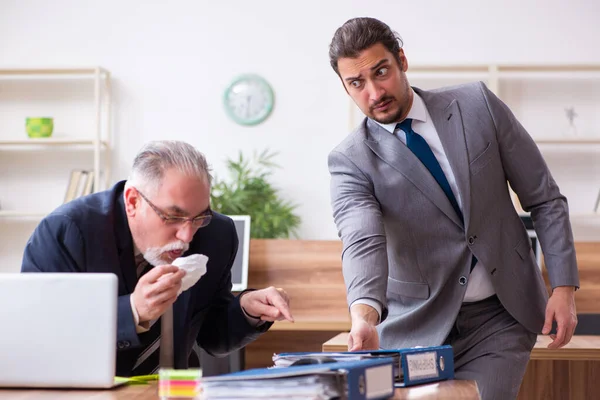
337	343
311	272
454	389
466	390
580	348
571	372
312	326
134	392
552	374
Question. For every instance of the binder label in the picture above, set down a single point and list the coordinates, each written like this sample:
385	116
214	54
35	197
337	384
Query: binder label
422	365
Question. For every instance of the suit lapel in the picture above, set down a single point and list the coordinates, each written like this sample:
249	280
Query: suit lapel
447	119
125	246
391	150
127	262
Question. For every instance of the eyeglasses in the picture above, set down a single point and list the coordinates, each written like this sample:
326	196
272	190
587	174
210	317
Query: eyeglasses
199	221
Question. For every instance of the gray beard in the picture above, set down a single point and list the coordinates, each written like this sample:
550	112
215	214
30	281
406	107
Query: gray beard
153	254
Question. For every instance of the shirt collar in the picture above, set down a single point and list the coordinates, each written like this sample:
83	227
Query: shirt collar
417	112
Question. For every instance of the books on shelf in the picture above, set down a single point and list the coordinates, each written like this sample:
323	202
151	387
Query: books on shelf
80	184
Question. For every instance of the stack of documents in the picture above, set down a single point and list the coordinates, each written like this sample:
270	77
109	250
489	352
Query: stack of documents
354	380
412	366
286	359
322	386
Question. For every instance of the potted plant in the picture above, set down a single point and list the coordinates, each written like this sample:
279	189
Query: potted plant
249	192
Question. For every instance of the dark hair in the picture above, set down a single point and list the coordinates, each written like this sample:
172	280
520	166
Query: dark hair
359	34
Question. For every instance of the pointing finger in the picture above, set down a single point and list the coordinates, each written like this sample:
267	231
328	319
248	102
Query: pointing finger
283	307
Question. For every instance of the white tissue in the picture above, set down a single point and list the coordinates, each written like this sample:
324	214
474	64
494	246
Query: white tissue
194	266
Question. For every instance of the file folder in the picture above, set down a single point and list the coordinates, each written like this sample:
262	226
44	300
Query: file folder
426	364
352	380
412	366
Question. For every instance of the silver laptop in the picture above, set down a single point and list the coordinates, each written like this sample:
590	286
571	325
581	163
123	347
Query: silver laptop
58	330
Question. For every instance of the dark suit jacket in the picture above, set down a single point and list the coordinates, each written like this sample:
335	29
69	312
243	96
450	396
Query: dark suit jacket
91	234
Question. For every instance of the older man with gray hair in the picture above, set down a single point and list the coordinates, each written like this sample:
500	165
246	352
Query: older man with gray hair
136	230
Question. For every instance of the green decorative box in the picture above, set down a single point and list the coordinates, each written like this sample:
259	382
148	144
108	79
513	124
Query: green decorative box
39	127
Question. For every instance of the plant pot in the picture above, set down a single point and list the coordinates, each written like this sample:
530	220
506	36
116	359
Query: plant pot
39	127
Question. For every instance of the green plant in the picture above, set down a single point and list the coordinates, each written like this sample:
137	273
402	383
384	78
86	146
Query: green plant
249	192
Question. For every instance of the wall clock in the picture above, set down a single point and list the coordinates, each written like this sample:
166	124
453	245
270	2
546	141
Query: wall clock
249	99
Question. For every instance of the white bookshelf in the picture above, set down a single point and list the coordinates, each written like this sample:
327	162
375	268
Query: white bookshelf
533	92
54	73
497	77
22	214
51	141
95	137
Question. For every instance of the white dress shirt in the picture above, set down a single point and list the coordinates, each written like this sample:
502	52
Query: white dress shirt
480	284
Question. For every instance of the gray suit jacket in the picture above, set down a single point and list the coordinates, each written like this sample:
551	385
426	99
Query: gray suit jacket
404	245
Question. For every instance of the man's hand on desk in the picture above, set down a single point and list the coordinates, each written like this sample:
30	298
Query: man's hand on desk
561	308
363	335
157	290
268	304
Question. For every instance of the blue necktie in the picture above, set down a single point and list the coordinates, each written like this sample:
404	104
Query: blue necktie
148	358
421	149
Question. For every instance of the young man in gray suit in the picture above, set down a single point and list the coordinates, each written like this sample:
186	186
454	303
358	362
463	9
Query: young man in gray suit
433	249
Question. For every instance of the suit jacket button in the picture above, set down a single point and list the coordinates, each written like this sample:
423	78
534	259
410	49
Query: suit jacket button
472	239
126	344
462	280
120	345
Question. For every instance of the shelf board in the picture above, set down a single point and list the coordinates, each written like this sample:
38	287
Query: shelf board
51	141
432	68
549	68
333	326
468	75
504	68
573	71
22	214
586	216
574	74
505	71
52	73
576	215
566	140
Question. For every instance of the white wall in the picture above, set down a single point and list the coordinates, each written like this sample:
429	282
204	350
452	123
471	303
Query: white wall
170	63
